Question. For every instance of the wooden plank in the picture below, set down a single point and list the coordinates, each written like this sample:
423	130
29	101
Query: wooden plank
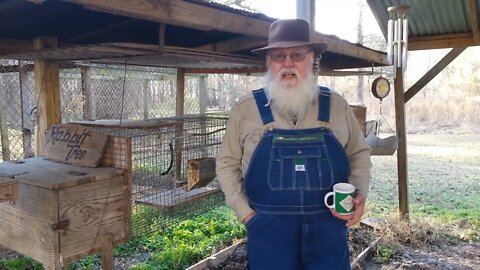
36	202
402	144
5	142
107	251
26	225
118	153
180	13
93	210
48	174
27	123
364	253
75	144
14	45
473	8
201	171
216	259
87	93
47	92
226	70
135	124
26	235
235	44
179	111
8	189
177	197
448	41
432	73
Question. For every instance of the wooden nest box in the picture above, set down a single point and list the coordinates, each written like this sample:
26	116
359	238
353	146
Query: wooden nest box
63	207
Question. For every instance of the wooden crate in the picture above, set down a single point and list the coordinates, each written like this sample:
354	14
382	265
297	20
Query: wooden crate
63	208
64	212
201	171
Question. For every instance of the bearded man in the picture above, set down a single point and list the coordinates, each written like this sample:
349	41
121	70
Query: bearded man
285	147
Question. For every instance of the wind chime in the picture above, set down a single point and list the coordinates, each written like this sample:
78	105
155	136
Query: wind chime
397	37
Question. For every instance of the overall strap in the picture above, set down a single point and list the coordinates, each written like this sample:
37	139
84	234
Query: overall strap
263	106
324	104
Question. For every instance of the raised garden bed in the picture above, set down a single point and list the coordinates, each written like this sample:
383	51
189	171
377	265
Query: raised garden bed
361	241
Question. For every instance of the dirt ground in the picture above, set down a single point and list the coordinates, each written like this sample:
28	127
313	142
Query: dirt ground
462	256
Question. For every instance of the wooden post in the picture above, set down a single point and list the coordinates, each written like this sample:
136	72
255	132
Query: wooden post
180	109
27	123
4	135
202	93
47	92
146	97
107	251
180	105
402	144
89	101
203	98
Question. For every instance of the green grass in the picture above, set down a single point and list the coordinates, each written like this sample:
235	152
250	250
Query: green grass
186	243
20	263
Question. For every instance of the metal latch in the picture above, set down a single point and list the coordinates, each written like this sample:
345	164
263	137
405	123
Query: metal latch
61	225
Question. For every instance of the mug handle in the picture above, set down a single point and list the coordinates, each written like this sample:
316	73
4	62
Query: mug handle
331	193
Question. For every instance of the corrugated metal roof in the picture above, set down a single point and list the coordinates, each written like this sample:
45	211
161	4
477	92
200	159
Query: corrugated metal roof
431	17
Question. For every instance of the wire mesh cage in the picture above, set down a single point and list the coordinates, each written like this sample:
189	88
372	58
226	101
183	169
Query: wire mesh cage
160	150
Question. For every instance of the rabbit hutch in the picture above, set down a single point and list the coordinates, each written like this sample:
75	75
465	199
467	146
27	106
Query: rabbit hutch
171	162
68	204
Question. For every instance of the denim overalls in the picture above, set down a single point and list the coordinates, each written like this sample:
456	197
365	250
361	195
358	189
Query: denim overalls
289	174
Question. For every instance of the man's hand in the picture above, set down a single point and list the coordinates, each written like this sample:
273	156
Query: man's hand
353	218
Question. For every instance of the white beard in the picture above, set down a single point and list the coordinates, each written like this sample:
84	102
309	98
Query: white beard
292	102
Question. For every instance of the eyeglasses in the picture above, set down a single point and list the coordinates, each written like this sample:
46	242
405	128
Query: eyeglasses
279	57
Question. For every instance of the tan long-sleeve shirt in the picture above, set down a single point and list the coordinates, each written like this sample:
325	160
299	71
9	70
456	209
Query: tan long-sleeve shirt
245	130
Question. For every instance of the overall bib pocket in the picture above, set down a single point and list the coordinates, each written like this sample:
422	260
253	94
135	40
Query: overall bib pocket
297	163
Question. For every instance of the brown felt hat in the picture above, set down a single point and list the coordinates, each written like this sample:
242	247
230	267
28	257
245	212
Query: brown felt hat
290	33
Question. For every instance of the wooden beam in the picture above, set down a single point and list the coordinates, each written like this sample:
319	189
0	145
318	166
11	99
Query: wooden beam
161	37
459	40
14	45
27	123
87	93
402	169
225	70
187	14
344	47
180	105
47	92
180	110
434	71
474	20
235	44
180	13
99	32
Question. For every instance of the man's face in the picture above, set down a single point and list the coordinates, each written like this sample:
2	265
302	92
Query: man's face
290	65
